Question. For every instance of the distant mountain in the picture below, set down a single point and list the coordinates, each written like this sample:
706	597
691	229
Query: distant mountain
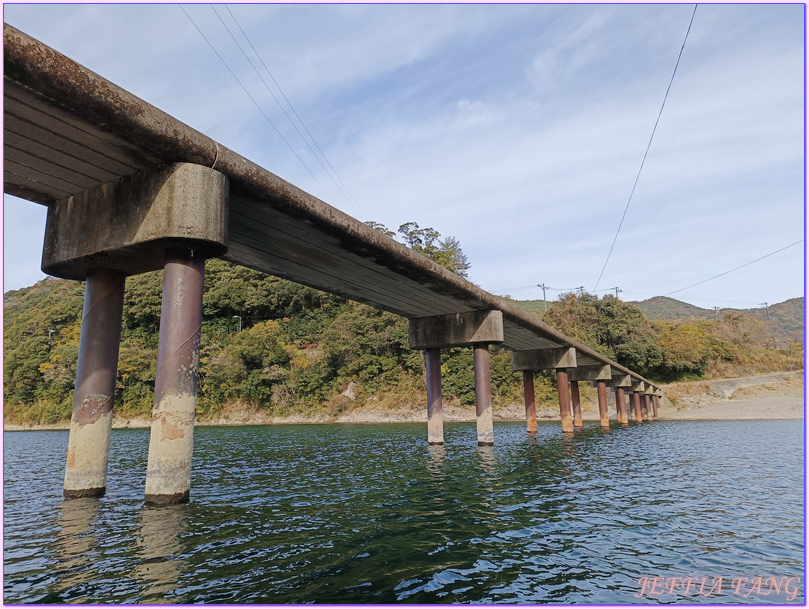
787	317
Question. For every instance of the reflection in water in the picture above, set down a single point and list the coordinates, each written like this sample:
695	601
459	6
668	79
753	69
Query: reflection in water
370	514
76	545
158	545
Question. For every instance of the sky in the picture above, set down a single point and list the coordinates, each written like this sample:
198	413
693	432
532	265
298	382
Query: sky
517	129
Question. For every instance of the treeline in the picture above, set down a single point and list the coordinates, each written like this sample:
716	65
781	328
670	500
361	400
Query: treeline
274	344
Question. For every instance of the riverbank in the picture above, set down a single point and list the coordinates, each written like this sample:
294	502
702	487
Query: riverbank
768	396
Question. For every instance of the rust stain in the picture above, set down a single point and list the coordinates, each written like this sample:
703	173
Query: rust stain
71	457
171	432
92	408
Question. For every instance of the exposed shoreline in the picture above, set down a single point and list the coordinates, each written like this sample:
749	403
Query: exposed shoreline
769	396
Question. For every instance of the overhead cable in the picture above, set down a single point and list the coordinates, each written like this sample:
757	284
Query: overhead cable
300	120
735	269
645	154
250	96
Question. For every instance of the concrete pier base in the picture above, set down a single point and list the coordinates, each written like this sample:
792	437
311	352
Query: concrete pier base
656	405
88	445
636	407
530	401
601	390
644	406
435	415
620	401
563	388
168	472
483	396
574	393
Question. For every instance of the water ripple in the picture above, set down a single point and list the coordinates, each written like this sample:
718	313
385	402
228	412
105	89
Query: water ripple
355	514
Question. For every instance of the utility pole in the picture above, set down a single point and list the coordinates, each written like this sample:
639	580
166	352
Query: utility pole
617	291
716	310
240	321
544	287
580	289
772	328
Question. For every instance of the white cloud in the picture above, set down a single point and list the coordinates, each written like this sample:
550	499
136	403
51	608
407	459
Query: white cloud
517	129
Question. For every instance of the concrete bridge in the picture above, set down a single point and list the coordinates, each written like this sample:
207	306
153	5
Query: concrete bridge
130	189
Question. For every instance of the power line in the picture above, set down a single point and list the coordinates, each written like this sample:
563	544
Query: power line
648	146
289	118
250	96
735	269
300	120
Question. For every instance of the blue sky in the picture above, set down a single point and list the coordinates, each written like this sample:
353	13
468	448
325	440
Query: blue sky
518	129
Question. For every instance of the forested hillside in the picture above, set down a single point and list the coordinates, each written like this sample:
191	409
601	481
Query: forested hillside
273	344
785	321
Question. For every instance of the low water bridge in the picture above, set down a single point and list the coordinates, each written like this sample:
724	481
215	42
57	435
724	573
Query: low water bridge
130	189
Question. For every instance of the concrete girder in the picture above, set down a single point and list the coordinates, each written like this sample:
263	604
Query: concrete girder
128	224
544	359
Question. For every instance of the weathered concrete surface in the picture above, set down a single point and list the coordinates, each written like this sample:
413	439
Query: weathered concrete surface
129	223
435	415
589	373
483	396
619	380
88	445
456	330
638	386
544	359
168	472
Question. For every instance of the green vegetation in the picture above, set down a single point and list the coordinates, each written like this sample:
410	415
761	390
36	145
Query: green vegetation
300	350
737	344
786	319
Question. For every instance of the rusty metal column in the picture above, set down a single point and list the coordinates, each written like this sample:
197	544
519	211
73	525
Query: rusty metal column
530	401
644	406
574	392
168	473
88	446
656	404
483	396
435	415
563	388
636	406
601	389
620	401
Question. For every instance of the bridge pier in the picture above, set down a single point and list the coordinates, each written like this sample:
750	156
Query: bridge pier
559	359
656	404
173	215
619	382
635	397
575	398
477	329
88	445
171	443
601	390
620	403
435	415
530	401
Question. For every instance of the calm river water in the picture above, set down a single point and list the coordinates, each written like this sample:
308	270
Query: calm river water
370	513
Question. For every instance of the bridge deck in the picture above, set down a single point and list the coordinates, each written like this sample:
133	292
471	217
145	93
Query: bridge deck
67	130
